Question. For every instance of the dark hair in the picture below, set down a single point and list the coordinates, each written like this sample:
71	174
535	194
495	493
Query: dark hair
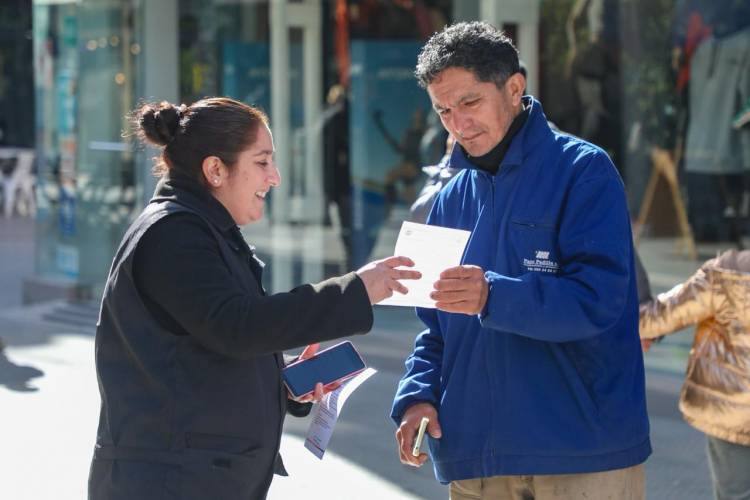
215	126
476	46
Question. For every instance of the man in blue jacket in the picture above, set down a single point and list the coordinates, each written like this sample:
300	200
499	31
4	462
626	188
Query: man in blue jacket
530	368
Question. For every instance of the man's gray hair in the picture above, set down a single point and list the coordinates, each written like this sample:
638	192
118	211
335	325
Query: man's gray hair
475	46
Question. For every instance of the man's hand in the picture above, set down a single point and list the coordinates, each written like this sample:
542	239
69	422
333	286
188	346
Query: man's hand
461	289
320	389
407	431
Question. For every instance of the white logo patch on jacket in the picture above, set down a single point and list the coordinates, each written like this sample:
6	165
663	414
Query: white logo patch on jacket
541	263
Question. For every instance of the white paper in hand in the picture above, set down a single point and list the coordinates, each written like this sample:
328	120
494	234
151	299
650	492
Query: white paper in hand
433	250
326	413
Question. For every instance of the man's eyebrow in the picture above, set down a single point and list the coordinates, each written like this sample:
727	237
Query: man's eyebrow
469	97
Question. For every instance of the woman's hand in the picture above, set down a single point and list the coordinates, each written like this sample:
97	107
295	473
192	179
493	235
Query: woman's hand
381	277
320	389
315	396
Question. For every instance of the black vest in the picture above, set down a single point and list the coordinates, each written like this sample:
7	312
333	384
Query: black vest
178	421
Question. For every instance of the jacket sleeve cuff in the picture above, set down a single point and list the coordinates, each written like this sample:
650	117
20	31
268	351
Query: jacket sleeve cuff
400	405
489	315
298	409
356	304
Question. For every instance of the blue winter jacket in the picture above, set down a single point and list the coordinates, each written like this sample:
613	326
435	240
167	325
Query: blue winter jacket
549	378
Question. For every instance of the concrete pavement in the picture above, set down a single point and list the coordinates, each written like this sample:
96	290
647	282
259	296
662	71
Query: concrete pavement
49	403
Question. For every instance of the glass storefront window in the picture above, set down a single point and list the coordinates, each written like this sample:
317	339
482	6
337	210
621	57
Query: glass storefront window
84	55
352	128
348	119
658	80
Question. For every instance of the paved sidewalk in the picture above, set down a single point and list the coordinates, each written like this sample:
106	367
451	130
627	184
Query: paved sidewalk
49	402
333	478
50	405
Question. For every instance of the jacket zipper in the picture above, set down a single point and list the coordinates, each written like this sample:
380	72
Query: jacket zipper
488	361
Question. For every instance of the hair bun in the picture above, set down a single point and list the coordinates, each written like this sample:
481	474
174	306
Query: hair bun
160	123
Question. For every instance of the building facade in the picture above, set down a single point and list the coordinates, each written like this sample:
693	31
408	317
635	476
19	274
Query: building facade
351	127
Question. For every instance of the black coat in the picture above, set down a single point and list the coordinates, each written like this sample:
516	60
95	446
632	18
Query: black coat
188	355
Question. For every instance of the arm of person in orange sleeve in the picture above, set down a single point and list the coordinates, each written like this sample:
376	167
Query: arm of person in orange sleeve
685	304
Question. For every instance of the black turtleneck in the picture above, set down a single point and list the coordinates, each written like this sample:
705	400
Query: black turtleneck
490	161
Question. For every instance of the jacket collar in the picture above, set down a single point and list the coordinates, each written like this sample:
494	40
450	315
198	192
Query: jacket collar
181	189
533	131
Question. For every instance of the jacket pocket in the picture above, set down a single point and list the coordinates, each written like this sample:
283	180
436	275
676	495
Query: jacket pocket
224	467
534	244
217	442
587	370
130	479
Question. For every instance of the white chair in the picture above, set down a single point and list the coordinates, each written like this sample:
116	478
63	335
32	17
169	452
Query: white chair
18	186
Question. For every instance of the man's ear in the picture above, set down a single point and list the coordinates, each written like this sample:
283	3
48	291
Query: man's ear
516	84
213	171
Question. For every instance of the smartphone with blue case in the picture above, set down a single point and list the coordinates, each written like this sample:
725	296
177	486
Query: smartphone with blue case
334	364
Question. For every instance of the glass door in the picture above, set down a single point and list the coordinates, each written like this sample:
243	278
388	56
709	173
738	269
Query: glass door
297	119
84	56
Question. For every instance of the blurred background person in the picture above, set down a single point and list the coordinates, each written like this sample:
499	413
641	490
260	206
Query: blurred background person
406	171
437	177
715	397
336	170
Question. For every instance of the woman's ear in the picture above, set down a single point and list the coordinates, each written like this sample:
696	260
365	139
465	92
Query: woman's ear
213	171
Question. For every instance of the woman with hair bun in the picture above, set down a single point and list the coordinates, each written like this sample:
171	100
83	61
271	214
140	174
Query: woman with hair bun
188	343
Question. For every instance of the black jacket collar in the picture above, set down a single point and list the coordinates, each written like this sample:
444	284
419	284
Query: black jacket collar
186	191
